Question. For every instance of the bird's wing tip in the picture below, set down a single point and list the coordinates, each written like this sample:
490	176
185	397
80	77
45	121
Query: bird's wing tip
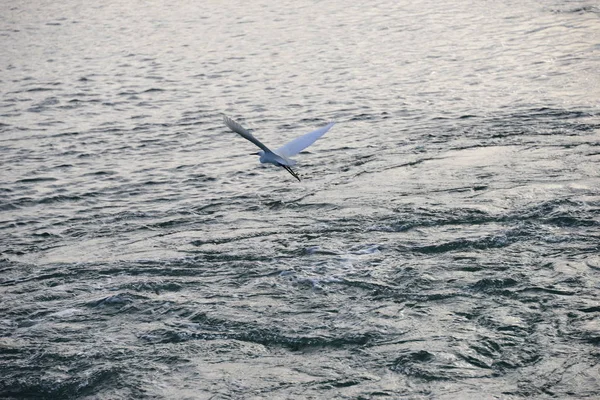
234	126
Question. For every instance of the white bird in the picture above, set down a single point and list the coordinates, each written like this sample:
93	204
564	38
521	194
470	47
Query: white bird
279	157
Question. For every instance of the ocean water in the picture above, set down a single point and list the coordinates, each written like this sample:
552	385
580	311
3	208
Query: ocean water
444	242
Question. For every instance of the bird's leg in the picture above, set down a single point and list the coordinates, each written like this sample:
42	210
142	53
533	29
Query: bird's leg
291	171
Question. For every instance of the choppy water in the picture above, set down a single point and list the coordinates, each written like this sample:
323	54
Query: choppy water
443	244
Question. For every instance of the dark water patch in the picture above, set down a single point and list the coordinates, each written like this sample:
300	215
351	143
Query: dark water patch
8	207
58	199
50	277
567	221
295	204
155	183
466	189
487	347
269	337
491	285
117	300
592	338
549	290
141	116
171	223
419	218
549	208
484	243
49	101
37	180
561	213
40	89
45	235
374	288
349	382
201	242
101	173
21	384
199	177
153	90
435	366
149	126
364	117
528	355
590	309
53	295
156	287
245	259
408	290
541	122
579	10
183	267
547	113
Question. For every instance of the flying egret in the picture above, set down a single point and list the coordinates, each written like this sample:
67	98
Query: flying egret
279	157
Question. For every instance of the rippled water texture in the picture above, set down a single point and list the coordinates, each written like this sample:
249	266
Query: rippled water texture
443	244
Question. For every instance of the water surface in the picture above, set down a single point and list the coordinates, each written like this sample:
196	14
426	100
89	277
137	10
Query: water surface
443	243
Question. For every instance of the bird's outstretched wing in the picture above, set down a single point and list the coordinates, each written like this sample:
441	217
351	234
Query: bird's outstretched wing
240	130
297	145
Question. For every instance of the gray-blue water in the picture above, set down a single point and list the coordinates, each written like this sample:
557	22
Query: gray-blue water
443	244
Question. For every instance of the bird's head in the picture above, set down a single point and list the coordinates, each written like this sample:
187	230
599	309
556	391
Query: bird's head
258	153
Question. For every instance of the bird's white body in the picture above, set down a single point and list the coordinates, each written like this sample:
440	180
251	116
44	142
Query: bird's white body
274	158
281	156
